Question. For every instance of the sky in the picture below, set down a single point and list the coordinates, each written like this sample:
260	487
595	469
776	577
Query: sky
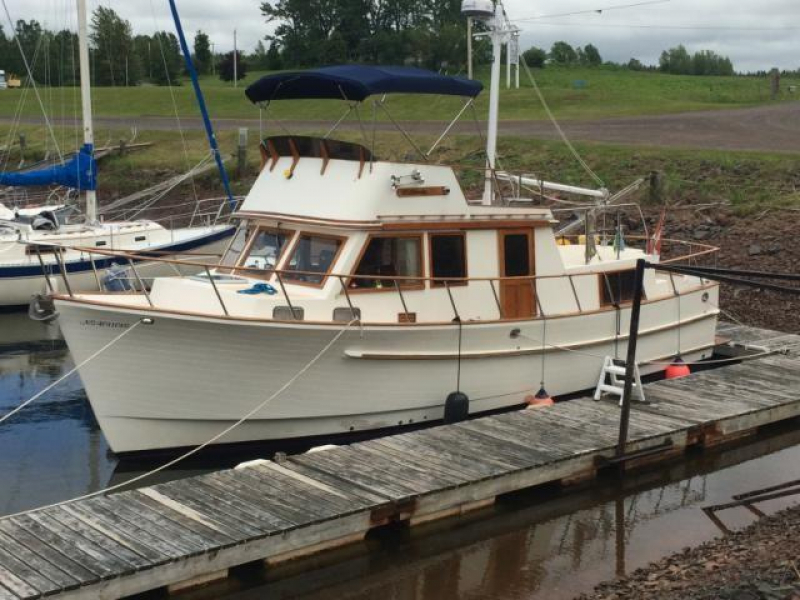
755	34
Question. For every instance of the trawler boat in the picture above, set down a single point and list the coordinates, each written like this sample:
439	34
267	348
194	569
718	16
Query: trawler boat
419	289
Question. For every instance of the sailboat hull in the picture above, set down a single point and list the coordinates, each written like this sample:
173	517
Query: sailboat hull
22	277
182	379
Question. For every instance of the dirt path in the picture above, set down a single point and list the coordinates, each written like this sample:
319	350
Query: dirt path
773	128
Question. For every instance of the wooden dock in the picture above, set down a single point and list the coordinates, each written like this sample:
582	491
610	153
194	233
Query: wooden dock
193	530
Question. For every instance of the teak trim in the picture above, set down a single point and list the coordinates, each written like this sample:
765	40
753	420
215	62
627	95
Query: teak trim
405	284
273	152
603	284
501	266
431	190
289	274
326	156
451	282
290	234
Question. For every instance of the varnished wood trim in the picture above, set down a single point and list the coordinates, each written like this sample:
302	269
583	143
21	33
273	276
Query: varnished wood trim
324	222
287	274
362	160
268	273
262	151
406	284
601	281
462	225
295	157
326	156
501	253
431	190
331	325
273	152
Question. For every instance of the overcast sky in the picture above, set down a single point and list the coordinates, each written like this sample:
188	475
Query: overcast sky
756	34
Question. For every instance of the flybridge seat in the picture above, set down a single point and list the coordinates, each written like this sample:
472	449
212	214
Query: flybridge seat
356	83
297	146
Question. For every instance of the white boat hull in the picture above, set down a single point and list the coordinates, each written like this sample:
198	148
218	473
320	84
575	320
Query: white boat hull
21	279
183	379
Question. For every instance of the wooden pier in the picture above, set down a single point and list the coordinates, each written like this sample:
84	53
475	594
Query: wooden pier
189	531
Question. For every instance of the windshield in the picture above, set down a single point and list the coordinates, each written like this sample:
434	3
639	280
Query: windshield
313	254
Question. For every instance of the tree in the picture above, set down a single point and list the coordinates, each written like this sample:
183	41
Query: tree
116	62
563	54
258	59
635	64
226	66
676	61
169	62
591	56
274	58
202	53
535	57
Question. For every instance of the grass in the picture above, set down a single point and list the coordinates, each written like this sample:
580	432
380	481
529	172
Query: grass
747	180
604	92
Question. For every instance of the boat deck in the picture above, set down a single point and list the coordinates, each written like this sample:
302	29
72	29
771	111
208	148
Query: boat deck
193	530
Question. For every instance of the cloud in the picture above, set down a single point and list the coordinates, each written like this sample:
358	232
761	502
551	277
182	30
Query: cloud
764	38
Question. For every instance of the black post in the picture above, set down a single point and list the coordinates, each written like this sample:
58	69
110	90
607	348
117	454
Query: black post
630	362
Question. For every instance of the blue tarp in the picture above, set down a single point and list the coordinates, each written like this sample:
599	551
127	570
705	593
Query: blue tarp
357	82
80	173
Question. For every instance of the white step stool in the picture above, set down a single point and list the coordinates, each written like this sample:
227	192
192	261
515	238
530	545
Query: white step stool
612	381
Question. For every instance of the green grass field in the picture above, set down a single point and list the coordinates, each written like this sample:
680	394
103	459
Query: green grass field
747	180
573	93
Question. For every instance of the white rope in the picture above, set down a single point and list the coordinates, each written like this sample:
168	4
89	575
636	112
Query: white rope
560	131
197	449
35	397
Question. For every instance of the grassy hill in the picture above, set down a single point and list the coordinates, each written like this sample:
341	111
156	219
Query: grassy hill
573	93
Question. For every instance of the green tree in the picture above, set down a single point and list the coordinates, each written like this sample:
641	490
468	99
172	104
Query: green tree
202	53
148	54
563	54
676	61
635	64
226	66
591	56
274	58
258	59
116	62
169	62
535	57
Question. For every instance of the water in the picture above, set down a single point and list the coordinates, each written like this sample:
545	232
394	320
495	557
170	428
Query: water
533	545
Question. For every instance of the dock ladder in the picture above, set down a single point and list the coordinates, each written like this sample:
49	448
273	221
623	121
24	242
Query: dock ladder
612	380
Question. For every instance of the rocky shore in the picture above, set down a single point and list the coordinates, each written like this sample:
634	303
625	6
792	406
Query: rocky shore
761	562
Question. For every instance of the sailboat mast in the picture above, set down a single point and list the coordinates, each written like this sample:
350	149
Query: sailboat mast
498	35
86	100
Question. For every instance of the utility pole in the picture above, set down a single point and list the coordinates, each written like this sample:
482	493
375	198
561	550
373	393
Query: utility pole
235	62
213	58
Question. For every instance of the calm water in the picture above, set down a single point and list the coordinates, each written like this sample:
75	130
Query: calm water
531	546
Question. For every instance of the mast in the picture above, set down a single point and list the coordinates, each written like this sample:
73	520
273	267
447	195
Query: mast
498	33
86	101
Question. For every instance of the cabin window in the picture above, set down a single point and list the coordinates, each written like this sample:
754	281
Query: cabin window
389	257
265	249
236	246
448	258
312	258
617	287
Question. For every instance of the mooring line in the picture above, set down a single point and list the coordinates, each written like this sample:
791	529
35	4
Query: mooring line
69	373
196	449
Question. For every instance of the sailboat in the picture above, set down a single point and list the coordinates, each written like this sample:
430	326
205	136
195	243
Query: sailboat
37	241
358	294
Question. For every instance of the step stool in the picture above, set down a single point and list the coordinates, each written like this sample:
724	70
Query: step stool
612	381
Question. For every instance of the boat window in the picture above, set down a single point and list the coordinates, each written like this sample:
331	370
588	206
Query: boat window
266	249
448	258
235	247
313	256
389	257
617	287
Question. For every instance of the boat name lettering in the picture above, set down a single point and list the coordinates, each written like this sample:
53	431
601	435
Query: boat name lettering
104	324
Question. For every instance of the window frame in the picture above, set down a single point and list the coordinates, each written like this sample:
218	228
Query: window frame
420	285
263	273
453	283
286	277
603	289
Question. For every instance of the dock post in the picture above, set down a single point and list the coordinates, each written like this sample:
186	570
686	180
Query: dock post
630	361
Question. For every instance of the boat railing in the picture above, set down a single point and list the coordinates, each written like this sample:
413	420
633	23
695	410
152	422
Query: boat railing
400	285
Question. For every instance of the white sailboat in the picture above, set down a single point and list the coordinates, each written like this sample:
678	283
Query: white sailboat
36	240
417	290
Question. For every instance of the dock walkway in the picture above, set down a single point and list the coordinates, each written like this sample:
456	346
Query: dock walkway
197	528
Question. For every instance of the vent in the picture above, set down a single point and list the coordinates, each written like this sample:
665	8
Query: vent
284	313
345	314
100	243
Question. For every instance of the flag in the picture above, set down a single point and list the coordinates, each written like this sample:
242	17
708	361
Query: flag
654	243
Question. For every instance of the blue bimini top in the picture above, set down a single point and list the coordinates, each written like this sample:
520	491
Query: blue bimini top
358	82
